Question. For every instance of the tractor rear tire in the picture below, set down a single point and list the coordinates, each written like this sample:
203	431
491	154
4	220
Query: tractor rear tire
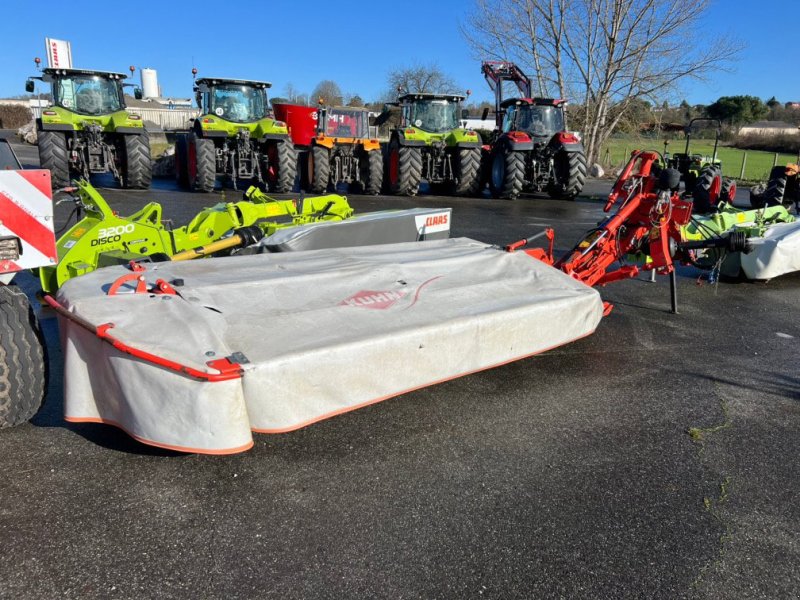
23	360
405	169
706	193
181	166
53	155
319	169
467	169
775	194
571	172
137	168
282	166
372	172
507	176
201	164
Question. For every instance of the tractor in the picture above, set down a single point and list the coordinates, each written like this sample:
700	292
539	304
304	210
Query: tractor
88	130
430	144
702	175
235	138
531	149
334	147
782	188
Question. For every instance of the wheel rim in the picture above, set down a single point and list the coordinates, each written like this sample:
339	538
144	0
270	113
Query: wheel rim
498	170
732	192
715	188
394	166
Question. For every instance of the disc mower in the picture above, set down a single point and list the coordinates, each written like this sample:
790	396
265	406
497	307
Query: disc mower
531	149
88	130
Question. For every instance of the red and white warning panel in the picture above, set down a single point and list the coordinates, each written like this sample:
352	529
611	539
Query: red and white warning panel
27	240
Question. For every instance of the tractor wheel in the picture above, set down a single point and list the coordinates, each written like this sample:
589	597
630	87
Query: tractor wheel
281	168
757	195
181	166
728	192
372	172
319	169
775	194
201	163
137	168
53	155
23	372
706	193
467	168
507	176
571	171
405	169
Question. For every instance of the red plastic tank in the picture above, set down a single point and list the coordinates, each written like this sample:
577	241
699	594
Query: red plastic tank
301	120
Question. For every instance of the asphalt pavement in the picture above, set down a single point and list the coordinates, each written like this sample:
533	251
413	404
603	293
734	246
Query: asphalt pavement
571	474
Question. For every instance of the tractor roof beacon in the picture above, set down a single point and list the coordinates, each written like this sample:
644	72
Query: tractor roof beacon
532	149
88	129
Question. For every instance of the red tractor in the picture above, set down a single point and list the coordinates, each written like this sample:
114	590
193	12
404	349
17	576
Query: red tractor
531	149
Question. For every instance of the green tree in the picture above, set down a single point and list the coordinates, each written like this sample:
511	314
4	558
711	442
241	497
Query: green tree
736	110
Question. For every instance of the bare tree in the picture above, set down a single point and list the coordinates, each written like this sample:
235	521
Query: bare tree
603	53
293	95
329	91
422	78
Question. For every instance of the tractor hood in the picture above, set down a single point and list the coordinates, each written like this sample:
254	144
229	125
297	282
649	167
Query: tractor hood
61	119
213	126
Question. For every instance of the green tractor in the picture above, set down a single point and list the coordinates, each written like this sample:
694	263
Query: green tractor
430	144
235	138
88	130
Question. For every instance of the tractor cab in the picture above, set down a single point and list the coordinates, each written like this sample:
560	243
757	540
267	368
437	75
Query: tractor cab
541	118
343	122
434	113
90	93
235	100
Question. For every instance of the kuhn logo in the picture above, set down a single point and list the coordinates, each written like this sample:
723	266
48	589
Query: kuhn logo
373	299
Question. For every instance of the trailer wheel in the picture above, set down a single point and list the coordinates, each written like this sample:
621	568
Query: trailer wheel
53	155
372	172
570	168
137	168
201	164
281	168
181	157
468	171
507	175
23	371
775	194
705	195
405	169
319	169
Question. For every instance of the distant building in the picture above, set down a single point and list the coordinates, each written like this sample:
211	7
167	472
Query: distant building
793	105
769	128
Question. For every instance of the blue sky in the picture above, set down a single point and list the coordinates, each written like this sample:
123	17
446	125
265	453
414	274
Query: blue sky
352	42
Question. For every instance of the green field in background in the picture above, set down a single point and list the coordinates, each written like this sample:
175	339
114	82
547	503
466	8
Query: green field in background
757	168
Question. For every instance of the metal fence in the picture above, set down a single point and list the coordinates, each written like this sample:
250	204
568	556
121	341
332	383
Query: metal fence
167	119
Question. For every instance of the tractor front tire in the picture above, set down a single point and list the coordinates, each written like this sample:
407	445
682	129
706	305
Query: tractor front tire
201	163
405	169
281	166
570	168
467	169
319	169
775	194
53	155
507	176
706	193
137	168
23	367
728	192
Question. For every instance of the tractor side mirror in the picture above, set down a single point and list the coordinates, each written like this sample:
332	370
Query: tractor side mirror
137	93
464	113
29	86
485	113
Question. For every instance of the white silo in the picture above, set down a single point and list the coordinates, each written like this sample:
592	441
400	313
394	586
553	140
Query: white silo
149	83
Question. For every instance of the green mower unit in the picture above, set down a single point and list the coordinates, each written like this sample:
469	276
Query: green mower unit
103	238
235	138
88	130
431	145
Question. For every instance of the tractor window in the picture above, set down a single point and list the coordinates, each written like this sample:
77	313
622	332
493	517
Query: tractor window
347	123
539	121
238	103
435	116
88	94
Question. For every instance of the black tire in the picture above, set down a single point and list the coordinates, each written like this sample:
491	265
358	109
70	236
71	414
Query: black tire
571	172
507	174
372	172
137	168
281	167
319	169
775	194
467	169
201	164
404	169
757	195
181	157
53	155
728	192
23	362
703	197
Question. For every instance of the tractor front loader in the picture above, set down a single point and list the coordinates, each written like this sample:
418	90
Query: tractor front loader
235	138
429	144
88	130
532	149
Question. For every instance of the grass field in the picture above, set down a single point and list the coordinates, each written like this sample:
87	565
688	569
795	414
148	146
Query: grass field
757	167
